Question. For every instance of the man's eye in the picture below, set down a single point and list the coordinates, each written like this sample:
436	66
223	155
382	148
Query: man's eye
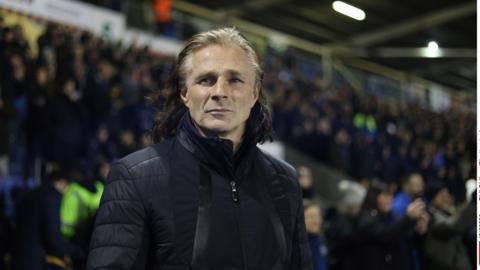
235	80
205	81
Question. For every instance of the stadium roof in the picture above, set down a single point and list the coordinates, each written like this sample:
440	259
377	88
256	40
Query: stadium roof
394	34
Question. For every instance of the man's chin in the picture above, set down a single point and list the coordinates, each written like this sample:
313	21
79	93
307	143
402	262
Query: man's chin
214	130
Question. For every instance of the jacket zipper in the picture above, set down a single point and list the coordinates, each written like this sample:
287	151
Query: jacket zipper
235	197
236	202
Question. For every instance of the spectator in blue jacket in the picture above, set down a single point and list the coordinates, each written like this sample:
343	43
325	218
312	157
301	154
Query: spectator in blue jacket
313	224
412	188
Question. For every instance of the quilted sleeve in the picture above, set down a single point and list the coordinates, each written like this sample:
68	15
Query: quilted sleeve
301	256
118	240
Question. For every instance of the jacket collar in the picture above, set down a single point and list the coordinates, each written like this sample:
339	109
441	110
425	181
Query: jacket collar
215	152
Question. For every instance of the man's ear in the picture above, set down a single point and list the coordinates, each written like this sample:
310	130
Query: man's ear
256	93
184	95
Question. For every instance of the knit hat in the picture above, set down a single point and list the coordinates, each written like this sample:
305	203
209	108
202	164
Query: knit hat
351	193
433	189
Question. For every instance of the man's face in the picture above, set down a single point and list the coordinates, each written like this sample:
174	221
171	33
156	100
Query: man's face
220	90
443	199
415	185
313	219
384	202
305	177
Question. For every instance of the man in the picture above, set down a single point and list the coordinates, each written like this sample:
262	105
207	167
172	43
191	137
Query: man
412	188
305	179
205	197
314	227
79	205
39	243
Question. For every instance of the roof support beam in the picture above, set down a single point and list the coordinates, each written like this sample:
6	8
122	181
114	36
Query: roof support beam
415	24
312	13
242	8
423	52
449	72
299	43
401	52
307	27
459	82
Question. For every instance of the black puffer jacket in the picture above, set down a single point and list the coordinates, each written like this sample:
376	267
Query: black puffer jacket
188	203
38	231
380	237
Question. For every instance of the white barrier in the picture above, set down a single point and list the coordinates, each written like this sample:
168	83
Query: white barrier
100	21
158	44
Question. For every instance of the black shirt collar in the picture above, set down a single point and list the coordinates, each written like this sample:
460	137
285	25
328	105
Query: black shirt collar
216	152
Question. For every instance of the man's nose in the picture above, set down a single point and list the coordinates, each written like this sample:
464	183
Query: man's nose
220	89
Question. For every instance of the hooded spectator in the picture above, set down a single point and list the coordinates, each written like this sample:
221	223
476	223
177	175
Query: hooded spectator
39	243
341	231
443	244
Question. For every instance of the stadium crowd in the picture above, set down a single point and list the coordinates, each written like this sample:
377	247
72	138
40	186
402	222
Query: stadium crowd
69	110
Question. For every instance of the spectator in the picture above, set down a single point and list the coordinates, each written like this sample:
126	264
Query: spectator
162	10
313	225
470	237
127	143
443	245
341	231
7	113
102	147
100	90
381	233
79	205
68	130
38	92
305	179
146	140
341	155
38	236
412	188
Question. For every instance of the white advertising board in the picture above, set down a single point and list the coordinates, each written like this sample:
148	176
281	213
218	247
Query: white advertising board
97	20
155	43
100	21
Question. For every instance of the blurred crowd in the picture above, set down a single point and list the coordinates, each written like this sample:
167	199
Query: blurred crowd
78	104
65	114
369	138
411	205
371	227
79	93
